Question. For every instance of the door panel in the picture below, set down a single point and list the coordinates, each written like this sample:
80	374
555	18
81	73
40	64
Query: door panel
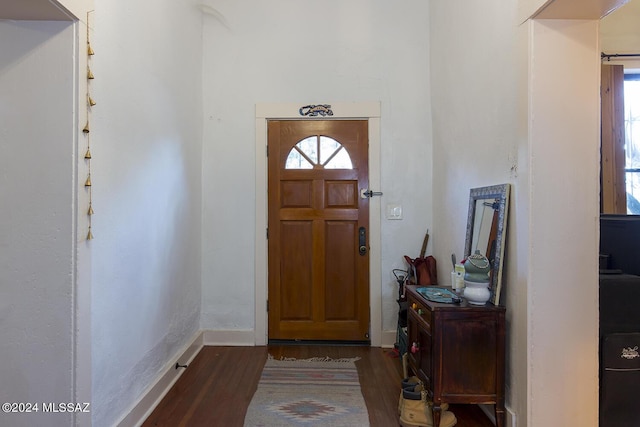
297	265
341	194
341	237
318	281
295	194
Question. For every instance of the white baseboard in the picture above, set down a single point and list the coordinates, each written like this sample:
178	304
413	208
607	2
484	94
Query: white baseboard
388	339
510	418
156	392
240	338
489	412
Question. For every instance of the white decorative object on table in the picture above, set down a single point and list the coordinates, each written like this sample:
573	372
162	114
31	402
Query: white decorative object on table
477	293
477	279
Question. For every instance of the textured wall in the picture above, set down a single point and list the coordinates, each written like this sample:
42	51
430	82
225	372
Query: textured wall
305	52
36	211
564	175
479	105
146	166
518	103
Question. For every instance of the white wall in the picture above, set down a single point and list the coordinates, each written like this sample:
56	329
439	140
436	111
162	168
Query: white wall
519	103
475	70
37	143
146	170
563	291
305	52
145	261
619	33
478	65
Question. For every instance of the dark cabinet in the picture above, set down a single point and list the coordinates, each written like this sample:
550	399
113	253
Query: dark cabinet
620	380
457	350
619	350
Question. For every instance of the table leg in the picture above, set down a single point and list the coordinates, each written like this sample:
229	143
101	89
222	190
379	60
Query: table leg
436	415
500	416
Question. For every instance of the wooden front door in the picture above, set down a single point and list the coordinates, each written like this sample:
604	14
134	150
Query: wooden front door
318	272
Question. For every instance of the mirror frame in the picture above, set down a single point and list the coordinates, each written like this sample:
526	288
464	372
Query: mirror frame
500	194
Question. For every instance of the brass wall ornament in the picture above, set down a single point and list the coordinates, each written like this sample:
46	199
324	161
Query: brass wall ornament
316	110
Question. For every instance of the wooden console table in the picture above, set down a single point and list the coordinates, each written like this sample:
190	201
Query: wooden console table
458	351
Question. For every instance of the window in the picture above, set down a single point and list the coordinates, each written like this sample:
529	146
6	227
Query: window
632	141
318	151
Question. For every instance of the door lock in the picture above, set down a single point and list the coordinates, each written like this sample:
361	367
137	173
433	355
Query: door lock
362	238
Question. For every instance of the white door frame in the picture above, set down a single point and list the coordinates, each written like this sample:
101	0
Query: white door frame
359	110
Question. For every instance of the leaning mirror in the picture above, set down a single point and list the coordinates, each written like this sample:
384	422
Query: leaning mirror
486	230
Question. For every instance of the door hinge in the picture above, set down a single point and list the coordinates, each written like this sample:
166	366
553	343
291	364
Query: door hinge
267	306
267	233
267	151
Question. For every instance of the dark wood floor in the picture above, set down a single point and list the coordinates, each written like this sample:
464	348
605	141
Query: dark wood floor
216	388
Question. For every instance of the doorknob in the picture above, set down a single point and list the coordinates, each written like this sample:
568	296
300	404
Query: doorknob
366	194
362	238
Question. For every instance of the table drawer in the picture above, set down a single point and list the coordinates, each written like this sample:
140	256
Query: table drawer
422	312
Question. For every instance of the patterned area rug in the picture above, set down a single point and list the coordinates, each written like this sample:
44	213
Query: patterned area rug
311	393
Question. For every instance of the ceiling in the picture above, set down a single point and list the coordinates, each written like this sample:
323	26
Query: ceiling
33	10
578	9
50	10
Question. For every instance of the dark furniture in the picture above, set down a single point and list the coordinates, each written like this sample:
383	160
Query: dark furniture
458	351
619	293
620	380
619	350
619	303
619	243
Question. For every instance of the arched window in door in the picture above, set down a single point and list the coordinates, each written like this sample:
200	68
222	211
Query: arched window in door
318	151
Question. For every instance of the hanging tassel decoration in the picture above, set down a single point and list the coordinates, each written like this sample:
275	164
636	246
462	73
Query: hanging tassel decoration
85	130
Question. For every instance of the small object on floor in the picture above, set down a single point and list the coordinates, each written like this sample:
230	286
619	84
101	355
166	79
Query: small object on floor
413	388
412	384
418	412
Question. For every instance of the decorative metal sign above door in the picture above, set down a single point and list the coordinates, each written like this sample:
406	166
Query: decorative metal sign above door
316	110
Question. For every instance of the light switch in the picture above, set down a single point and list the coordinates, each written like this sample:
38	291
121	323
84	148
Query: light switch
394	211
